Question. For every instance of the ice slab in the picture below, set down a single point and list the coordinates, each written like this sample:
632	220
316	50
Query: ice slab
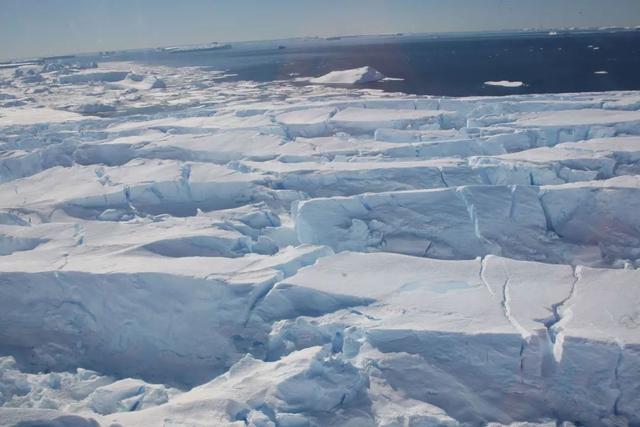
426	319
95	75
356	120
466	222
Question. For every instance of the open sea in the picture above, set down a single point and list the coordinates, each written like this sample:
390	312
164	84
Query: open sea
445	65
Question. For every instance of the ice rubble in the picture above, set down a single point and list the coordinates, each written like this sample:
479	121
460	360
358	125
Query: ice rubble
271	254
82	391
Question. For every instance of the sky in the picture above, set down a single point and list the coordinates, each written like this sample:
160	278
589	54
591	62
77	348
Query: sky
31	28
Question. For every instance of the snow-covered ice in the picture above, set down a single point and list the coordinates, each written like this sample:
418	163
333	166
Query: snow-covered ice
180	249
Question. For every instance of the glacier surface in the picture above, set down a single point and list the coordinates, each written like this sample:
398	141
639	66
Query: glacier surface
179	249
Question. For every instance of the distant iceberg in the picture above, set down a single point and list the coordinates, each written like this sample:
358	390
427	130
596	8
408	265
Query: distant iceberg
196	48
504	83
350	77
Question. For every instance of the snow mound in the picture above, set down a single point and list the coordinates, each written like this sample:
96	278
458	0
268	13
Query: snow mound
350	77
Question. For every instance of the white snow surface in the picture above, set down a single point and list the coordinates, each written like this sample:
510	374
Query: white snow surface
177	249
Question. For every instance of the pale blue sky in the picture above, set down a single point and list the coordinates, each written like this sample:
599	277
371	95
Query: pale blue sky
52	27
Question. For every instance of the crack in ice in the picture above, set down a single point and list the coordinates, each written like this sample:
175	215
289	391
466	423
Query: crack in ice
483	265
526	335
555	327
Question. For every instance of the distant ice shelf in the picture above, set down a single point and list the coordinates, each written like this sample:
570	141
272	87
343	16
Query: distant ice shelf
197	48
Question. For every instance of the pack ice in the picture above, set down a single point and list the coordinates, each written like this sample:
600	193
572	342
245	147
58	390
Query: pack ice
181	249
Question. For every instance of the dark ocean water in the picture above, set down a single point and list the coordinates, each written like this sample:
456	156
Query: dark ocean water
438	65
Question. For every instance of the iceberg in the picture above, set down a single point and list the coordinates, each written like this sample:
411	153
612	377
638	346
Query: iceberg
504	83
350	77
